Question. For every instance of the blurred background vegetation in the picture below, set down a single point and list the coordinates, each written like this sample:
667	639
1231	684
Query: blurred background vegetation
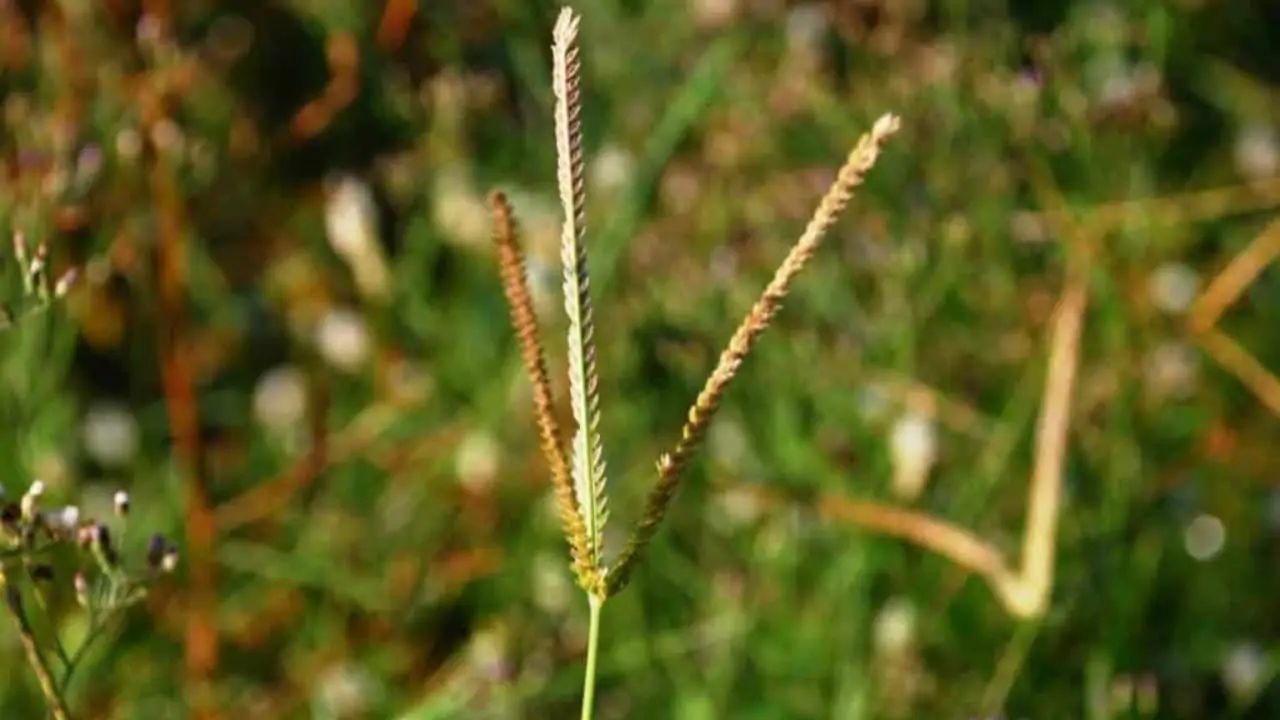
346	455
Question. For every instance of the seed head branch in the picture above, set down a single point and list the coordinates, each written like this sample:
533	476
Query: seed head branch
525	322
588	463
857	165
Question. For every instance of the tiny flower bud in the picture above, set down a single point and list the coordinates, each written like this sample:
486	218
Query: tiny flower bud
30	500
65	519
38	263
121	503
155	551
20	248
894	629
82	589
86	534
64	284
170	560
913	447
352	225
102	546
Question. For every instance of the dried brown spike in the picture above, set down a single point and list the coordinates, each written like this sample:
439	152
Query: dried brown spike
525	322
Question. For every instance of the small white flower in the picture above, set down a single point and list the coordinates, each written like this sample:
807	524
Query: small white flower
351	221
280	398
1204	537
1245	670
343	339
1173	287
895	626
612	168
120	502
345	690
913	446
110	434
1257	152
66	518
1172	370
477	460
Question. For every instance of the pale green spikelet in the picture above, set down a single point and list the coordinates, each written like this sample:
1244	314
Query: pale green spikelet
588	452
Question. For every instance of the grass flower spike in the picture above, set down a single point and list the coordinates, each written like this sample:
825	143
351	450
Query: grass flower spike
584	386
525	321
579	476
670	465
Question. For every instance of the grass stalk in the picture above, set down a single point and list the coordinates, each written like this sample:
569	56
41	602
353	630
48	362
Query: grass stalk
39	665
596	603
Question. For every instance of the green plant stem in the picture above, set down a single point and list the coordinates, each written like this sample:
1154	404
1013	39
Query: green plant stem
96	628
593	643
58	648
57	707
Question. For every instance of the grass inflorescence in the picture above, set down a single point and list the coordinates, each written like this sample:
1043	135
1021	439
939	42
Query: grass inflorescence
581	484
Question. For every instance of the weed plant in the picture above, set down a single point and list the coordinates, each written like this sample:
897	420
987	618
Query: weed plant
580	479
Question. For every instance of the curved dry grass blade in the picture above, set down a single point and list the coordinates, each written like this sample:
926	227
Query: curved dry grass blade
525	322
1024	590
1239	274
588	452
952	542
1029	597
859	162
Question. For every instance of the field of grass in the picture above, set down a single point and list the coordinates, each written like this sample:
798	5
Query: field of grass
1005	451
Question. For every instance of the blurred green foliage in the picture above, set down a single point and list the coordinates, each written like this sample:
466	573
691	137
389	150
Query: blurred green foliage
385	542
